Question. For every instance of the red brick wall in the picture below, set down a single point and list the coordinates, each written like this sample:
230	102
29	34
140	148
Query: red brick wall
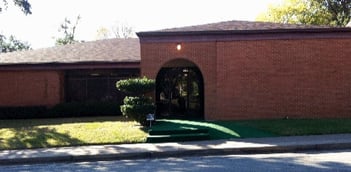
265	78
278	78
30	88
155	55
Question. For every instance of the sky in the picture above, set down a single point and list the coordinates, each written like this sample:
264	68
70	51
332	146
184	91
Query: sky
41	28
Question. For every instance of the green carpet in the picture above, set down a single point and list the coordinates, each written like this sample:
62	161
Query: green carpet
217	129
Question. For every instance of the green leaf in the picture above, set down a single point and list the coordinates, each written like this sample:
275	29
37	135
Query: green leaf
136	85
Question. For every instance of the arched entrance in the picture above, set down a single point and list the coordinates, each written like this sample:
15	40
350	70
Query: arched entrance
180	91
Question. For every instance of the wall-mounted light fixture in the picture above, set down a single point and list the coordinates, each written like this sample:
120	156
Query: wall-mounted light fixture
179	46
94	74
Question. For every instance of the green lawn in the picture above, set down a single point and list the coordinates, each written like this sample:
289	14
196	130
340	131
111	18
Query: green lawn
18	134
296	127
260	128
217	129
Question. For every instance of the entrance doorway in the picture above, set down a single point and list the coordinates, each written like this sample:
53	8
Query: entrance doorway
180	93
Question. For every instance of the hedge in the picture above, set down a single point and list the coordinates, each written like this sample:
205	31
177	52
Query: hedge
72	109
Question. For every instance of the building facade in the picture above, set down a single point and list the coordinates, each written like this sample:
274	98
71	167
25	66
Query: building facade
82	72
258	71
222	71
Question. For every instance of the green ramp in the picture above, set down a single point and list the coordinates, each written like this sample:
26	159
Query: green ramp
215	129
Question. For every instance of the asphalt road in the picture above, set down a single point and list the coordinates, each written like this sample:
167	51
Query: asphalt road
336	161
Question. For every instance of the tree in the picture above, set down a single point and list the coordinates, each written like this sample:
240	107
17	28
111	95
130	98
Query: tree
24	5
339	10
12	44
137	107
315	12
103	33
69	30
121	30
118	30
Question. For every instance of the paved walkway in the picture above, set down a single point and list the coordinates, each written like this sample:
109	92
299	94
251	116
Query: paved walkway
160	150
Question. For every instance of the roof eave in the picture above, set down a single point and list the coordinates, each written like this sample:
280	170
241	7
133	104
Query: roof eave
248	32
68	66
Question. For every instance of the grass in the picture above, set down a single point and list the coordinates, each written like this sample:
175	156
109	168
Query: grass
260	128
217	129
299	127
35	133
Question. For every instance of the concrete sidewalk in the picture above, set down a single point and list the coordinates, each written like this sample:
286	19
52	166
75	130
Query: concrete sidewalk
161	150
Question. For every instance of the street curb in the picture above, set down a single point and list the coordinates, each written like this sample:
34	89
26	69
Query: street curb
176	153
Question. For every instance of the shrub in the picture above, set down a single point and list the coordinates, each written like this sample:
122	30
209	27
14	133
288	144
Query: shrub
71	109
76	109
129	100
138	112
137	107
22	112
136	86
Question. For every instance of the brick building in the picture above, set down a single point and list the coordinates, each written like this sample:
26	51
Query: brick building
79	72
253	70
226	70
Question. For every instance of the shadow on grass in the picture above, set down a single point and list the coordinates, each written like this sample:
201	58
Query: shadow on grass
34	137
217	129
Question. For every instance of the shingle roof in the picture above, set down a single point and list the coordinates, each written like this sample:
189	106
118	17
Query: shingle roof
243	30
109	50
240	25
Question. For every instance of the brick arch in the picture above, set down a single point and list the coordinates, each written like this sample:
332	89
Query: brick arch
202	54
179	90
179	62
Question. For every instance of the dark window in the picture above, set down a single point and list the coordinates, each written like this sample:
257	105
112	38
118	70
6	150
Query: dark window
180	93
96	85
